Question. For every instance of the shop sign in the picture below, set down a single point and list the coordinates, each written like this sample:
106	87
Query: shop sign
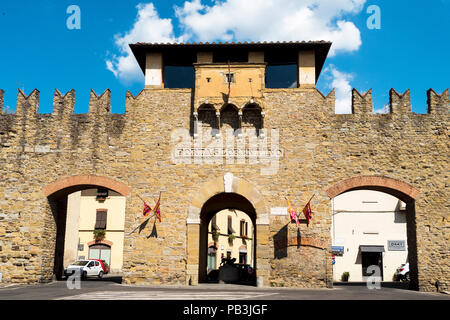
396	245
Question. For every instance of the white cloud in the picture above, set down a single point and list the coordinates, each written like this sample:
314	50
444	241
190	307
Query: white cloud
341	82
273	20
237	20
148	27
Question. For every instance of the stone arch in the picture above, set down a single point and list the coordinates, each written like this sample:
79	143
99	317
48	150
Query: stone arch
232	185
207	117
85	180
59	219
228	184
252	117
401	190
229	116
105	242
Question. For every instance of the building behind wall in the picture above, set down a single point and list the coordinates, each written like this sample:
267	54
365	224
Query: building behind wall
226	223
369	228
90	210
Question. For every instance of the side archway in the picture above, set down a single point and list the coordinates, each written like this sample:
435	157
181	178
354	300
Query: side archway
75	182
228	184
399	189
61	226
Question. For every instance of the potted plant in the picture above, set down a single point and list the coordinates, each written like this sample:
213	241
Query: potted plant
345	276
231	237
215	235
99	234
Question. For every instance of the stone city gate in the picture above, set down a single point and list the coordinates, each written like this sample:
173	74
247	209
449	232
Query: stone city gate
320	150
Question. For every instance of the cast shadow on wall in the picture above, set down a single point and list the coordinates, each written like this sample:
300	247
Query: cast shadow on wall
281	242
143	225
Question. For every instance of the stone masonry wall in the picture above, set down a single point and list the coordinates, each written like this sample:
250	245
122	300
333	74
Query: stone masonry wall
319	148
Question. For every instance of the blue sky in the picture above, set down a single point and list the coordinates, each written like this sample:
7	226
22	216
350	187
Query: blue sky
411	50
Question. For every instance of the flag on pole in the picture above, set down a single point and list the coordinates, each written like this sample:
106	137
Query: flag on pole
147	210
292	212
307	211
156	209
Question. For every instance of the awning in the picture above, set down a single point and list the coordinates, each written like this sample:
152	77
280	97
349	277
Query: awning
371	248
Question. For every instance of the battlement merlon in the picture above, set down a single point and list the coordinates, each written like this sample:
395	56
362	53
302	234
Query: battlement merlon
308	56
438	103
400	103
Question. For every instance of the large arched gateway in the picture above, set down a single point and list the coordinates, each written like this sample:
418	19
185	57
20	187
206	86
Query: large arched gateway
226	192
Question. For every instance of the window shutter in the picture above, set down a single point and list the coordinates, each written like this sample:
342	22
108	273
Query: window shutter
230	227
100	222
214	223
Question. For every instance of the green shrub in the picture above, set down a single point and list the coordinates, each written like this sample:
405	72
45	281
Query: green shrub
345	276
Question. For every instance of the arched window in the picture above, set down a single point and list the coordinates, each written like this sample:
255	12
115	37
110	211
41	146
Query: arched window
229	118
207	118
252	118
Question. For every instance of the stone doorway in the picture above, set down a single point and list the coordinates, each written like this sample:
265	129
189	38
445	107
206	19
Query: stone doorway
232	218
223	193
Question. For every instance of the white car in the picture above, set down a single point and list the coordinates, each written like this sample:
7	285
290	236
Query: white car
403	272
86	268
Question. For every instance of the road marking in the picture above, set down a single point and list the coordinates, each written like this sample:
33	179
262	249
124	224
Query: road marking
164	295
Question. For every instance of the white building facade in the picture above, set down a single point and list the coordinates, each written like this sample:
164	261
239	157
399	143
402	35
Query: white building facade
95	209
368	229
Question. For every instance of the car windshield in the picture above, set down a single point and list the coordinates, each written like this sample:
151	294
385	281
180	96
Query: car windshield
79	263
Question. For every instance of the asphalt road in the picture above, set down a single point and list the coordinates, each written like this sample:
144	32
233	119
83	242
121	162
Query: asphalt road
110	288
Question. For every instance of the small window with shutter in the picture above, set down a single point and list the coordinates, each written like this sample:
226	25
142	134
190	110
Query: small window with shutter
100	222
230	225
244	228
214	226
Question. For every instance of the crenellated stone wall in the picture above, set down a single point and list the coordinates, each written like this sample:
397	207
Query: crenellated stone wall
319	150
